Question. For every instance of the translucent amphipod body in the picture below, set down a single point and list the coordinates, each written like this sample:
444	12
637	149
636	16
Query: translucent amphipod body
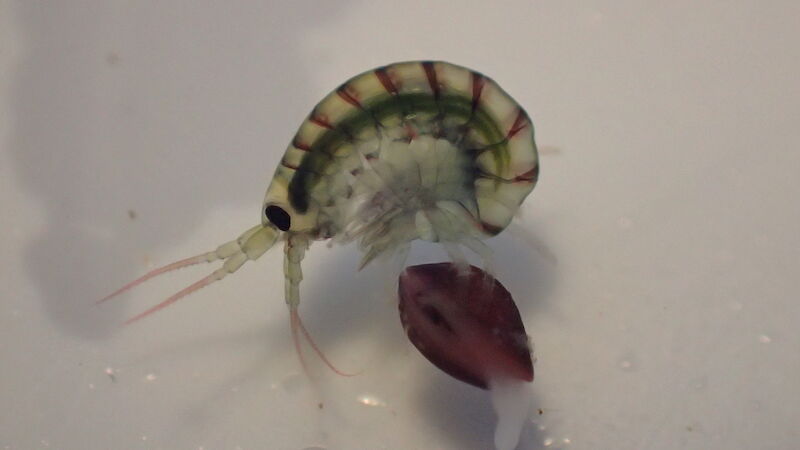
413	150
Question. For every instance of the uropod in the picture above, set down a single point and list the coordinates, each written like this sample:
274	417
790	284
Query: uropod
413	150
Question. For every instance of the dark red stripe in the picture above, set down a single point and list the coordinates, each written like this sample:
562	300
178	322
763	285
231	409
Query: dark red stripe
430	72
491	229
529	176
385	80
477	88
320	120
519	123
349	98
285	164
300	146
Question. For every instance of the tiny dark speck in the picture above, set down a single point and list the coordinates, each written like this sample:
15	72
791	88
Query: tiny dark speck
132	214
112	59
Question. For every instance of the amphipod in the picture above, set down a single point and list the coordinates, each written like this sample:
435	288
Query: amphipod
413	150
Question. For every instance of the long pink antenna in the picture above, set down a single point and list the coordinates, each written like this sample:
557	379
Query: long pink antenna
177	296
298	324
155	272
298	348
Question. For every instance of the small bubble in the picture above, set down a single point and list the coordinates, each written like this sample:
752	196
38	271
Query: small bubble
626	365
144	438
764	339
150	377
625	222
370	400
111	374
547	442
699	383
628	362
45	443
91	385
566	441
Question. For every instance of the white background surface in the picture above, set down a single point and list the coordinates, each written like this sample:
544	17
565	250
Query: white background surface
668	193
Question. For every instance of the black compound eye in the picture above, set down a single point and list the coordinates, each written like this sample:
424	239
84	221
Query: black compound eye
278	217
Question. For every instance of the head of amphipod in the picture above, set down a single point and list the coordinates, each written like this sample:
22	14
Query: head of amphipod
278	210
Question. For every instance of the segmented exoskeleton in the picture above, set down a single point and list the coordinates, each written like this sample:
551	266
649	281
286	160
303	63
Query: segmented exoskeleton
414	150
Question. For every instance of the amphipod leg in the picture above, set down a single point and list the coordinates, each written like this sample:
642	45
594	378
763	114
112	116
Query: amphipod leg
296	246
464	230
249	246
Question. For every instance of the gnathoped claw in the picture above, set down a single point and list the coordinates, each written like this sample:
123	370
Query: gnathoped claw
464	322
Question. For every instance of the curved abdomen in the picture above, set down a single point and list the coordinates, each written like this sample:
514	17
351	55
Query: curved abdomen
400	103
